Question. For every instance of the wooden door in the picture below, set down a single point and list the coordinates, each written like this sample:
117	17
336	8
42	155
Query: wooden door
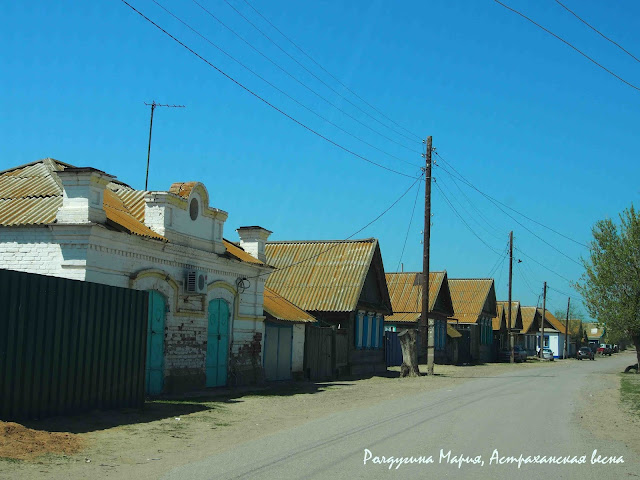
154	367
217	343
277	351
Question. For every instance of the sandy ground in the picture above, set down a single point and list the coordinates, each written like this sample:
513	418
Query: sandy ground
602	413
168	433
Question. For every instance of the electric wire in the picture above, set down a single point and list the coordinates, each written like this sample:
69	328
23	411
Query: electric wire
329	73
344	240
543	266
248	90
276	87
567	43
296	79
489	197
464	222
522	225
597	31
408	228
315	76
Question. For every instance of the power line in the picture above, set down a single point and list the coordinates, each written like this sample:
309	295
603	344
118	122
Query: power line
329	73
567	43
596	30
314	75
349	237
518	222
262	99
285	71
465	223
408	228
277	88
489	197
543	266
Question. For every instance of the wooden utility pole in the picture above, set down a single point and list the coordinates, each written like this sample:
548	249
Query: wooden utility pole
566	331
544	314
510	337
153	106
427	330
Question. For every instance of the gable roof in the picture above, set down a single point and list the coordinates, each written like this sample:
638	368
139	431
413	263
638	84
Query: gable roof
281	309
529	314
471	297
323	275
593	330
405	290
554	322
516	314
499	321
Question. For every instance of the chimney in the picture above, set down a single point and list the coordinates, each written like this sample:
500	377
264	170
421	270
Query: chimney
82	195
253	240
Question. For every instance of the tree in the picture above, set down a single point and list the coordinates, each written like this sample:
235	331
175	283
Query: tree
610	285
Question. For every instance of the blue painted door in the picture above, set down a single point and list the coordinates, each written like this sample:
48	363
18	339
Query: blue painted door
154	375
217	343
277	351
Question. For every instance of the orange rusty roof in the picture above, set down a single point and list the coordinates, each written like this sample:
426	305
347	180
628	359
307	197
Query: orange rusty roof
282	309
472	297
405	290
555	323
499	321
239	253
323	275
119	215
516	314
529	314
182	189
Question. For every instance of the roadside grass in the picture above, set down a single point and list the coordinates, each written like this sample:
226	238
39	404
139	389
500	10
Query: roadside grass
630	391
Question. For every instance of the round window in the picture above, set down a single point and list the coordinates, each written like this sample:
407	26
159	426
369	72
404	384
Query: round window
193	208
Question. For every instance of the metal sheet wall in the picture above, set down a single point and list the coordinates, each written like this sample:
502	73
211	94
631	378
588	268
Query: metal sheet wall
68	346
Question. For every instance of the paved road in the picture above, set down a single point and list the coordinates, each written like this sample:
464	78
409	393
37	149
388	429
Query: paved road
527	412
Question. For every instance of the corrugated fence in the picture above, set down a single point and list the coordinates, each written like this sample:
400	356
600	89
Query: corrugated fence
68	346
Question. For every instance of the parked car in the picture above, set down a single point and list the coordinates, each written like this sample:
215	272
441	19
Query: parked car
547	353
616	348
519	353
604	349
585	352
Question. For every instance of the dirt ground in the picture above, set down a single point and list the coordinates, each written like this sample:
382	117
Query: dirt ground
171	432
602	413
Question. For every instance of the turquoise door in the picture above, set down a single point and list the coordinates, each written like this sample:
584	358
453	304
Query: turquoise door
154	375
217	343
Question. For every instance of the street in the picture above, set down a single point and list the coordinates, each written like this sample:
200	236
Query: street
480	422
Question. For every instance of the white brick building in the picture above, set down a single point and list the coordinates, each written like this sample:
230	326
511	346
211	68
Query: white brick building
83	224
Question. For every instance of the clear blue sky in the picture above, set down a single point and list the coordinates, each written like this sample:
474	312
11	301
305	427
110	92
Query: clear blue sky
518	113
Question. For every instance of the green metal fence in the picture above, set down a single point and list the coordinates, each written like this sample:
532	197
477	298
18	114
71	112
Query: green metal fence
68	346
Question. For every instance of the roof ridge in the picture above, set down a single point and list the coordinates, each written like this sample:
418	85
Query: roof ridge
363	240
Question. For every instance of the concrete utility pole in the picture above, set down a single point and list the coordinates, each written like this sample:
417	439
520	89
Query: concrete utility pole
427	334
544	314
510	337
153	106
566	331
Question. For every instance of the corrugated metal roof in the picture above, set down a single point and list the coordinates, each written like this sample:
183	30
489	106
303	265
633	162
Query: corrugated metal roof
499	321
555	323
529	314
516	314
118	214
469	296
320	275
239	253
281	309
29	211
405	290
182	189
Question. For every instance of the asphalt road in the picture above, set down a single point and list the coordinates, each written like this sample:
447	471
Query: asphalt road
524	413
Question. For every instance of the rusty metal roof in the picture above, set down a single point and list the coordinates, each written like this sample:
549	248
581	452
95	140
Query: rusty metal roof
516	314
282	309
182	189
471	297
530	317
321	275
118	214
239	253
499	321
405	290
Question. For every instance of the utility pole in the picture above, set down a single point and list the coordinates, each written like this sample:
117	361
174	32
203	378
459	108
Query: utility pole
427	326
544	314
566	331
510	337
153	106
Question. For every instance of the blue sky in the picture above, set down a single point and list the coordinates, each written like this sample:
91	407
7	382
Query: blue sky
518	113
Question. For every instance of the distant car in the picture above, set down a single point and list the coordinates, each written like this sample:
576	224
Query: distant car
547	354
519	354
616	348
604	349
585	352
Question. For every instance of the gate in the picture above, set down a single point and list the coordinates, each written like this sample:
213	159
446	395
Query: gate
319	356
277	351
392	349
